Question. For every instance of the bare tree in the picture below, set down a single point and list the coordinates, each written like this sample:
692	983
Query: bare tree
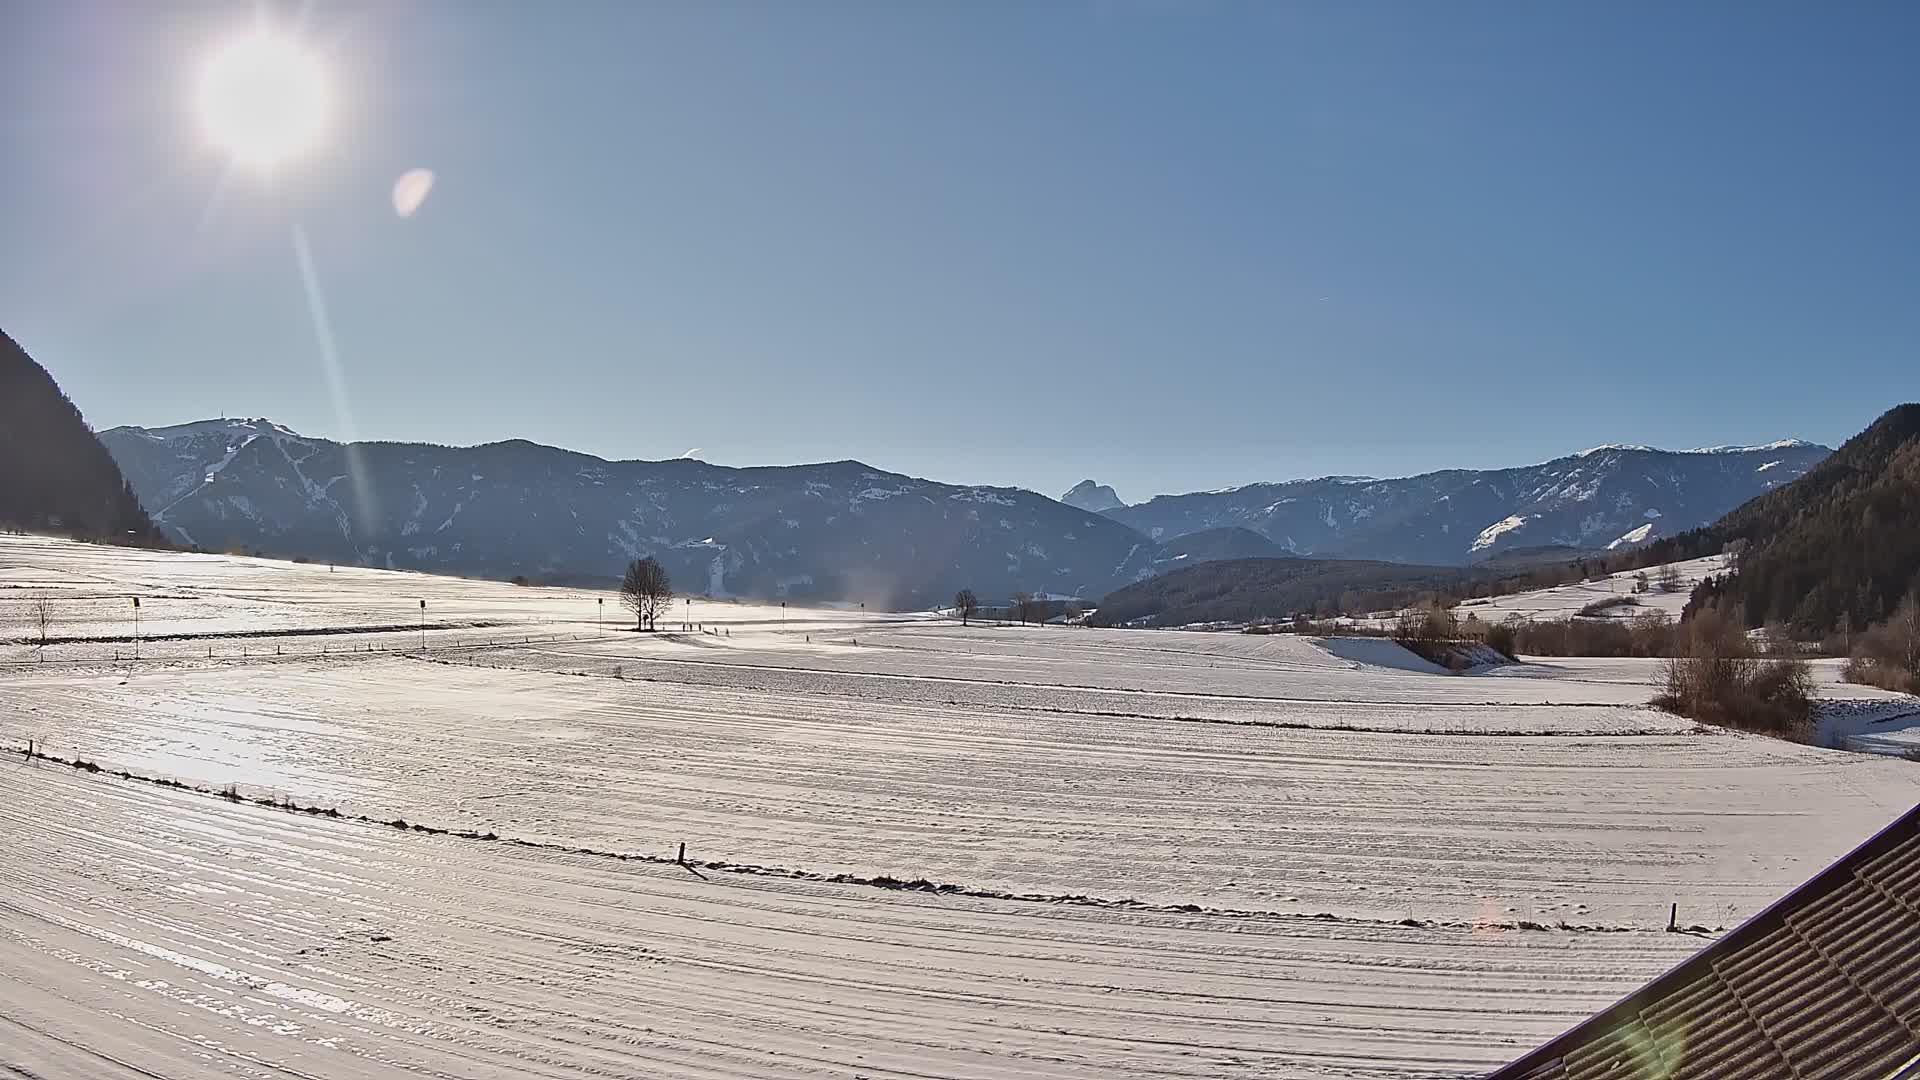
646	591
1023	606
1903	628
1734	550
1430	623
40	616
1669	578
1893	647
965	604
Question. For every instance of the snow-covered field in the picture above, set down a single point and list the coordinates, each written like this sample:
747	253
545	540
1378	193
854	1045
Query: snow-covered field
1146	854
1566	601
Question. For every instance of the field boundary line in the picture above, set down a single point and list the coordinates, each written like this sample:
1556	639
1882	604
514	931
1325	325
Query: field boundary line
231	793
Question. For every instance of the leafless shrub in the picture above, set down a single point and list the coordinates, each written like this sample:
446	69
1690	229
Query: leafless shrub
1503	638
1888	654
1425	625
1600	607
1715	678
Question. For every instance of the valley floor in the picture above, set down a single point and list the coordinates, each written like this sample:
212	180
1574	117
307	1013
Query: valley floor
1143	854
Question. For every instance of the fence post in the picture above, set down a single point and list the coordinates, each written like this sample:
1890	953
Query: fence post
1673	919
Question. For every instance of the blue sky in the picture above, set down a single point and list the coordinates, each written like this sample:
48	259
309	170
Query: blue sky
1166	245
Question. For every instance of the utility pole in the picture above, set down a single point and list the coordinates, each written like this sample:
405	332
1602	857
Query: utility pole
602	617
783	614
423	626
136	628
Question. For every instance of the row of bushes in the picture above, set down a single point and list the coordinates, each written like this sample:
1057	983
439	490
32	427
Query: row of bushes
1649	634
1715	672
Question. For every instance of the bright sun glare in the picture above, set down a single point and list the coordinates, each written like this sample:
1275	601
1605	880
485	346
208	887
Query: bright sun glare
263	99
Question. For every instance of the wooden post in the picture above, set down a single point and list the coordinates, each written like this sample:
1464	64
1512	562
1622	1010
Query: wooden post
682	858
1673	919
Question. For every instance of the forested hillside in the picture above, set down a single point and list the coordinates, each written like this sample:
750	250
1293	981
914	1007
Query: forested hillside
54	475
1249	590
1835	550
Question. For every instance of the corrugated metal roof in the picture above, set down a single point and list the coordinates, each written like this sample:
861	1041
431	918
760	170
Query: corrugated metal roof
1822	985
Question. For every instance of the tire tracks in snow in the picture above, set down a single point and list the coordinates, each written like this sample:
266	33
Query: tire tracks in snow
880	881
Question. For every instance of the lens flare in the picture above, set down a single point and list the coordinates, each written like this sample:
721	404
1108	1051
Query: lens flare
411	190
263	99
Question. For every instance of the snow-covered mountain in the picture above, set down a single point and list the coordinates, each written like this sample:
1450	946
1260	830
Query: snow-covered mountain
1606	497
1087	495
840	530
844	530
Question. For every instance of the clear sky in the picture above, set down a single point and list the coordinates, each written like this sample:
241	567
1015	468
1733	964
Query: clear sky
1166	245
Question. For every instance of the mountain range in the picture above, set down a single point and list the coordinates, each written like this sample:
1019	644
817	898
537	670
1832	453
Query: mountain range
833	531
1828	555
849	531
1606	498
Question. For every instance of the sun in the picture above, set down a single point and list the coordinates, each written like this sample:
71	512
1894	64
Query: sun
263	99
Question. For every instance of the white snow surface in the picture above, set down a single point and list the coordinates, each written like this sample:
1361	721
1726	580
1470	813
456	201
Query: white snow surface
1637	535
1777	444
1492	533
1180	854
1376	652
1565	601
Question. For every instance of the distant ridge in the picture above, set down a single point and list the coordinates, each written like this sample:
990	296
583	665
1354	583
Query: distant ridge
841	531
850	531
1087	495
1602	498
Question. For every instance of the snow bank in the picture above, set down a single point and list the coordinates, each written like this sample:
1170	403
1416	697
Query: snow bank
1379	653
